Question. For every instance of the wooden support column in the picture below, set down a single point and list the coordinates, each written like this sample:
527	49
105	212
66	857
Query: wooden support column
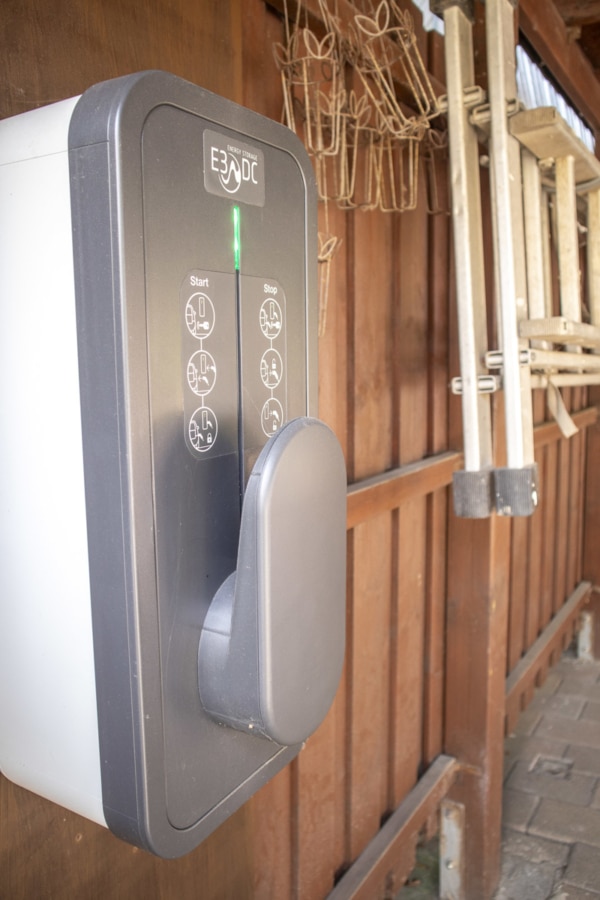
478	572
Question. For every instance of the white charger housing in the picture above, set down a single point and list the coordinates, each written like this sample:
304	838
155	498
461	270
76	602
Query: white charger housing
47	684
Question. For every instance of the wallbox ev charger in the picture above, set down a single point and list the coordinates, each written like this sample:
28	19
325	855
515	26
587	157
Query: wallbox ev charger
172	514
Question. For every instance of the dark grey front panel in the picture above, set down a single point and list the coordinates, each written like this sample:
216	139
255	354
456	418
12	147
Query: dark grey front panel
186	364
208	426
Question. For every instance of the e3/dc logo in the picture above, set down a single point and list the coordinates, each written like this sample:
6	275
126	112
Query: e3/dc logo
231	171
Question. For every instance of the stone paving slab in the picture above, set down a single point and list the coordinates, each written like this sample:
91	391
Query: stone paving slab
559	728
569	705
571	667
535	849
571	788
591	711
528	722
565	822
583	869
518	808
568	892
551	684
583	687
585	759
521	747
523	880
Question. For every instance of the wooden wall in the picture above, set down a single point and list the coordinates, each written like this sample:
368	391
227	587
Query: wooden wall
418	580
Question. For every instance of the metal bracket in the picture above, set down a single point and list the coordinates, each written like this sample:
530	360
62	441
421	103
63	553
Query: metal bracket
481	114
494	359
473	97
452	851
585	637
486	384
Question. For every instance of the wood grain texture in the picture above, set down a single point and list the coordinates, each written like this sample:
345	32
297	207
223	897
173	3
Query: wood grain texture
372	496
411	439
438	405
549	516
545	29
369	877
518	591
476	658
369	682
370	452
50	853
57	49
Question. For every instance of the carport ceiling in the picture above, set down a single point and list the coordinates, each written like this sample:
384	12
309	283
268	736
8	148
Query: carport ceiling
582	18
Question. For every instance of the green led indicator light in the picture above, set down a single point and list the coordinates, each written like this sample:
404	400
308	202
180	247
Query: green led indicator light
236	238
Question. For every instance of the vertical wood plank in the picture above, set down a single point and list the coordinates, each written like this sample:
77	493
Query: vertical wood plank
550	519
518	592
534	573
591	535
369	682
536	615
272	828
583	491
437	507
259	29
407	685
435	626
574	512
411	377
561	534
369	451
333	343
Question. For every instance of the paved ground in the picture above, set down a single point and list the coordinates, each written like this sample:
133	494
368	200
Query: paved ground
551	843
551	838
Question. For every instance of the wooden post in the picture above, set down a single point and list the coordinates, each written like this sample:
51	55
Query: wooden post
478	567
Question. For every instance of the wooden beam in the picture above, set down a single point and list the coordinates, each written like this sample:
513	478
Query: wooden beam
576	12
545	30
550	642
372	869
546	134
549	432
388	491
